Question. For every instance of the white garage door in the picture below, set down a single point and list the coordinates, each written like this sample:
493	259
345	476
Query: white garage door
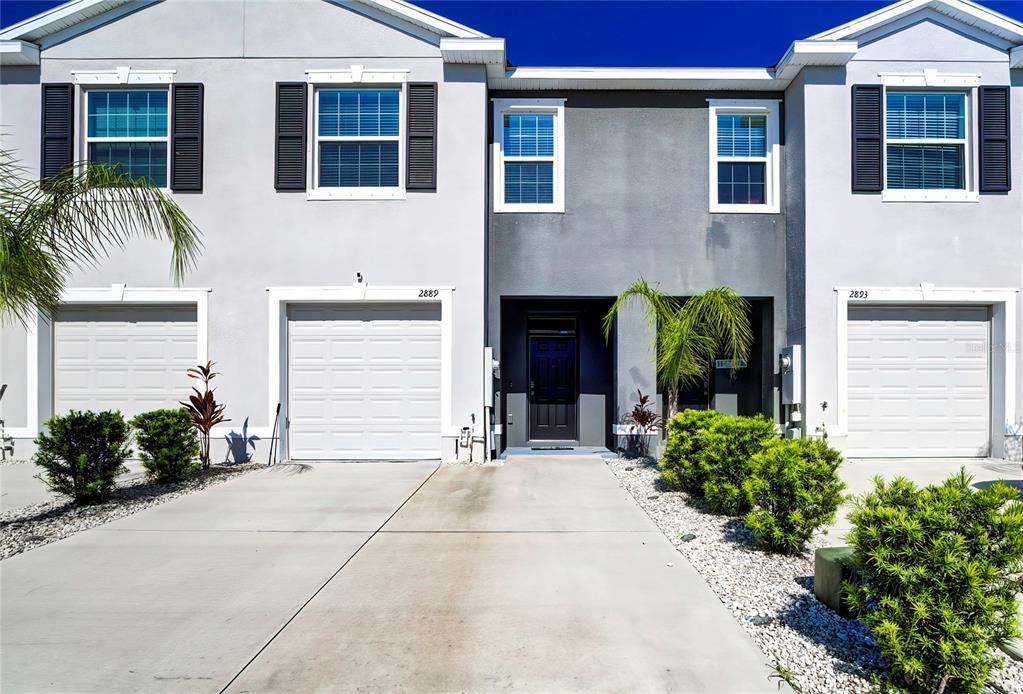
364	382
919	382
131	359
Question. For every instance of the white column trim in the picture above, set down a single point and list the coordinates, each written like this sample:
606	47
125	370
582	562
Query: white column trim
1003	328
359	292
39	339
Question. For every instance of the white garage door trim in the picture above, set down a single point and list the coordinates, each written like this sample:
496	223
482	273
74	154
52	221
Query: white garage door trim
361	293
1003	333
39	337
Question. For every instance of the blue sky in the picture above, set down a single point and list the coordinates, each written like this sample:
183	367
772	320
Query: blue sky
720	33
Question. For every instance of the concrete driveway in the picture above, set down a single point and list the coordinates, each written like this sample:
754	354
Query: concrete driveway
541	574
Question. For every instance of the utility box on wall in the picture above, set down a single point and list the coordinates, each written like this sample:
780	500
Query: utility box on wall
791	367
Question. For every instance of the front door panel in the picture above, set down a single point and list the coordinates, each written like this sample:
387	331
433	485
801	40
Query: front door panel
552	387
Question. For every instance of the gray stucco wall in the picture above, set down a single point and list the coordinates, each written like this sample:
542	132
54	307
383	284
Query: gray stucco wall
255	237
636	205
858	240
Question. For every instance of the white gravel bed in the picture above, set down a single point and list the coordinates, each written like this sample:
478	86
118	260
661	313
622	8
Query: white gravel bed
769	595
28	527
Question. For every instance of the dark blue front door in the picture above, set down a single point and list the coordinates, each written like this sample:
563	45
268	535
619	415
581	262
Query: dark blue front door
552	387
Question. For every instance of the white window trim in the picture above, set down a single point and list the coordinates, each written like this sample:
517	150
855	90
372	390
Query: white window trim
83	124
358	293
355	76
1003	332
555	106
925	81
772	161
39	340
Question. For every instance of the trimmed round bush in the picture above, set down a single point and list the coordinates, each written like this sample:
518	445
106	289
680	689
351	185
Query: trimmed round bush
723	459
82	453
939	569
794	490
678	467
168	444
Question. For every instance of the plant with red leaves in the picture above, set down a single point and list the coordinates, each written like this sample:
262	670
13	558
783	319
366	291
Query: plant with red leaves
206	412
643	419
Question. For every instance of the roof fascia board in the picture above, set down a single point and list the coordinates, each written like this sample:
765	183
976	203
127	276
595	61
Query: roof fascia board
809	52
387	11
419	16
1016	57
29	26
488	51
18	53
987	20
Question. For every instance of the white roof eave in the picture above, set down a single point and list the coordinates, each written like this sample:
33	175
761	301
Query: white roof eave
13	53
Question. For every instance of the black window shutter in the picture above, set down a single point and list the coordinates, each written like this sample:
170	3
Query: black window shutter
58	111
421	168
866	138
186	137
290	152
994	138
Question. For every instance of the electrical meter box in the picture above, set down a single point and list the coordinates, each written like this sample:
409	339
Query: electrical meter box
791	365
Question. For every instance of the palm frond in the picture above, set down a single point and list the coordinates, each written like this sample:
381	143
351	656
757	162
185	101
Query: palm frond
74	220
657	306
723	315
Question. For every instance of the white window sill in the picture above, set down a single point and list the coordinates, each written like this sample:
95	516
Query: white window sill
744	209
355	194
512	209
929	196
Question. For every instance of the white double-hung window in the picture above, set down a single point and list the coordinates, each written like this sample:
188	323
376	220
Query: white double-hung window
529	155
358	132
127	129
744	156
925	140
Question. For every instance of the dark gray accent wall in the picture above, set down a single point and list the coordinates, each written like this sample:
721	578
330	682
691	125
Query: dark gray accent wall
636	203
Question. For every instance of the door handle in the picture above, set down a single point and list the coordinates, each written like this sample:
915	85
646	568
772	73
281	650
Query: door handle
530	388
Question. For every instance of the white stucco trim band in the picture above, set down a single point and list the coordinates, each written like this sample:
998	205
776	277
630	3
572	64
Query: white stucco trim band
930	78
279	298
39	339
1002	302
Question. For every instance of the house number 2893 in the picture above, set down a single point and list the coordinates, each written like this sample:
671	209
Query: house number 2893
428	293
857	293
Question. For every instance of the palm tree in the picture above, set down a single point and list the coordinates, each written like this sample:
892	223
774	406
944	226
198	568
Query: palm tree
74	219
689	335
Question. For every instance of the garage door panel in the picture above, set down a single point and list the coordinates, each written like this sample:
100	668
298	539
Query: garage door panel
364	382
127	358
918	381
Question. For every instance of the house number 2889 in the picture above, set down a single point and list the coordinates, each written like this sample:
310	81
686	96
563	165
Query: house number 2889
857	293
428	293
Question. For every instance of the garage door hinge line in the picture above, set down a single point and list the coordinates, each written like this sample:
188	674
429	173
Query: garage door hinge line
329	579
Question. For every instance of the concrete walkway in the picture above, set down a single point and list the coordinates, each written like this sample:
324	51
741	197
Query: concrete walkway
541	574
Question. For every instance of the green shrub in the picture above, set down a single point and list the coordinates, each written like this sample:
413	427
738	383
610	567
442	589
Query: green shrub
82	453
938	567
794	490
723	459
678	467
168	444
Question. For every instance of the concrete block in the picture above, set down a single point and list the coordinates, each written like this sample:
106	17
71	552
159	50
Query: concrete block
1014	647
832	566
